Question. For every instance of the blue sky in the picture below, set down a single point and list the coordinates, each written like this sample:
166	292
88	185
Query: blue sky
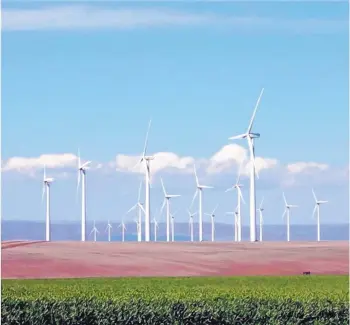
90	75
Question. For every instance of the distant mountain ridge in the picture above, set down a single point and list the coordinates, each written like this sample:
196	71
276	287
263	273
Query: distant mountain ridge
31	230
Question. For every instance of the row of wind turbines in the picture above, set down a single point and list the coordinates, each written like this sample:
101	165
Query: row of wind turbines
146	208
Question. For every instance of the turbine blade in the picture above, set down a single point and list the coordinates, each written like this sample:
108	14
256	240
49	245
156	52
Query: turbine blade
229	189
161	180
205	186
215	208
86	164
262	200
146	140
174	195
43	193
313	212
162	208
313	193
284	198
195	174
241	136
284	213
141	207
322	202
132	208
239	172
194	197
240	194
255	109
44	172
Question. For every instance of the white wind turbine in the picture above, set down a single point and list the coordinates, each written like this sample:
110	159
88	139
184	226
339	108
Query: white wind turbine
173	226
140	210
82	174
250	137
287	211
95	231
156	227
147	161
108	229
199	189
261	221
46	187
235	214
317	208
212	217
123	227
238	216
166	202
191	215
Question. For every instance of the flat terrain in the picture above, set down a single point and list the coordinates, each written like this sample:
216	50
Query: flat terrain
22	259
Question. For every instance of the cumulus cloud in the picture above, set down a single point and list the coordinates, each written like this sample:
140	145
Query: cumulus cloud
162	160
306	167
233	155
48	160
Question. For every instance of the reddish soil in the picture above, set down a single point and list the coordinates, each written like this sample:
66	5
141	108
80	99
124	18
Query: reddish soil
102	259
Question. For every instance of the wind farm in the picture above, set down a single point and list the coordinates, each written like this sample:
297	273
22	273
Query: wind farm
144	219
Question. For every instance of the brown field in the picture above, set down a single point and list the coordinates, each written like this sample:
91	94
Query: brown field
21	259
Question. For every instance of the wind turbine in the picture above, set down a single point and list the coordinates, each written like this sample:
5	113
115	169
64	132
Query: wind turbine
287	211
140	210
235	214
82	174
261	209
46	187
317	208
191	215
250	137
109	228
238	217
199	189
156	227
147	160
212	216
95	231
173	226
166	202
123	227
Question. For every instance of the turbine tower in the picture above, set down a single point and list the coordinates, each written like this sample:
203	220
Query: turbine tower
238	217
173	226
147	160
123	227
317	208
46	188
95	231
138	205
235	214
82	174
250	138
191	215
261	209
212	217
287	211
156	227
108	229
199	189
166	202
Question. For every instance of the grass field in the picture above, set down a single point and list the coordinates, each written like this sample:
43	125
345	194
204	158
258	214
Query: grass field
293	287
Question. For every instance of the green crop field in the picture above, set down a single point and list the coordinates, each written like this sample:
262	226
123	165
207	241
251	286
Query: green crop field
200	300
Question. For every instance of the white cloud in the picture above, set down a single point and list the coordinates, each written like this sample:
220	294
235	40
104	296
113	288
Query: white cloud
233	155
48	160
305	167
162	160
92	17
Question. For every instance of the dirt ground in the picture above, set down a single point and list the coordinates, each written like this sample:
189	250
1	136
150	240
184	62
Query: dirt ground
21	259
